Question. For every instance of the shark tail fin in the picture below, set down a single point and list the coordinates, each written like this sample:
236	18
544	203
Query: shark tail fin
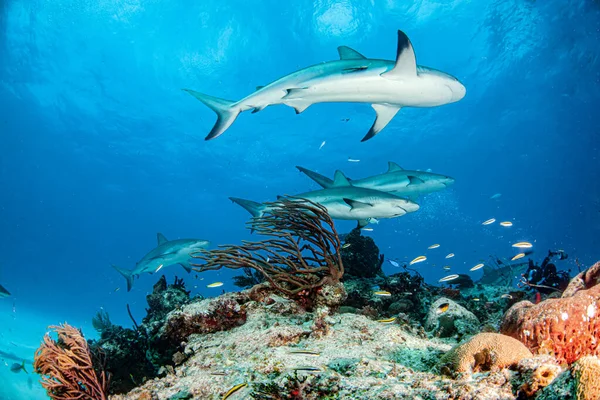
256	209
322	180
127	275
225	109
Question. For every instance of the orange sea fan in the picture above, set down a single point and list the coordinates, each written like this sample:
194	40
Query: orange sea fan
67	368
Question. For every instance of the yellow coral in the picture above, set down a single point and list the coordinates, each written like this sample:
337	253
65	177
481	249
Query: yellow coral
540	378
485	351
587	378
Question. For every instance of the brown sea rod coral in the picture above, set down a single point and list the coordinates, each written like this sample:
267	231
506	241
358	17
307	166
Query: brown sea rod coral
485	352
568	327
300	256
67	368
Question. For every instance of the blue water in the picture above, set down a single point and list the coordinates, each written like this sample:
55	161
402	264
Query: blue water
100	149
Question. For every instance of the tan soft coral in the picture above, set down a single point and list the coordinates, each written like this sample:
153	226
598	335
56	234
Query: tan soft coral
568	327
484	352
587	378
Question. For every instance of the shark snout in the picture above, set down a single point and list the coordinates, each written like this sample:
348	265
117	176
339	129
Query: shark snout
458	91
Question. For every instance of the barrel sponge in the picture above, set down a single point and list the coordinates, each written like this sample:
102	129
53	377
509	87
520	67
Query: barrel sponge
484	352
587	378
567	327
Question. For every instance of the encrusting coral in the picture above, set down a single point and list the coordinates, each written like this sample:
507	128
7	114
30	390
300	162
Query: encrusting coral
301	255
587	378
567	327
485	352
67	367
537	373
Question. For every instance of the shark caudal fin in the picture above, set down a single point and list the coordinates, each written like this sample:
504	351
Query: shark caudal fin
226	112
127	275
322	180
256	209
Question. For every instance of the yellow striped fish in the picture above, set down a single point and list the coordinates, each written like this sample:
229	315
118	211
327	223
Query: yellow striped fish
418	260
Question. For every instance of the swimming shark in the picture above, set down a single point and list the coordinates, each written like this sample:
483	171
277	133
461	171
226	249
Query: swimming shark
386	85
4	292
166	253
346	202
395	180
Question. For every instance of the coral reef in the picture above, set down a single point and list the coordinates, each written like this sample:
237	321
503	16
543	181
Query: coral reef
67	366
536	373
453	320
586	372
567	327
360	256
300	256
484	352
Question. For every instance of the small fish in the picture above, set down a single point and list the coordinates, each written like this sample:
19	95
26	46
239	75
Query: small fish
117	289
506	223
442	308
450	255
495	196
418	260
16	367
394	263
218	373
478	266
447	268
387	321
322	144
3	292
234	389
475	299
407	293
506	296
216	284
306	368
523	245
520	255
353	160
489	221
448	278
345	119
346	245
373	220
367	229
159	268
433	246
305	352
382	293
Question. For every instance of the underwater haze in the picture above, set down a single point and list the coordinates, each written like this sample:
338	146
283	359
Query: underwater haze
101	149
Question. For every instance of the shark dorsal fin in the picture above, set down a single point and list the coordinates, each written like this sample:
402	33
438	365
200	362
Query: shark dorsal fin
406	61
161	238
346	53
354	204
413	180
340	180
393	167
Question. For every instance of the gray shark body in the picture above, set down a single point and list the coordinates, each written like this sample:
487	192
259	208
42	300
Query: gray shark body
386	85
396	180
346	202
167	252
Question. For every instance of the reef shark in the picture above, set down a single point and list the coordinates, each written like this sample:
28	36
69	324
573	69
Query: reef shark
4	292
346	202
167	252
395	180
386	85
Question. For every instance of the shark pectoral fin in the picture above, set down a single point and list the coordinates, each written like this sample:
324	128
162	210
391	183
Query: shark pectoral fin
406	61
385	113
322	180
161	238
298	106
340	180
186	266
226	112
354	204
346	53
413	180
362	223
393	167
127	274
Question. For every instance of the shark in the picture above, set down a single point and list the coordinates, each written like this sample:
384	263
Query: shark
395	180
346	202
387	85
166	253
4	292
